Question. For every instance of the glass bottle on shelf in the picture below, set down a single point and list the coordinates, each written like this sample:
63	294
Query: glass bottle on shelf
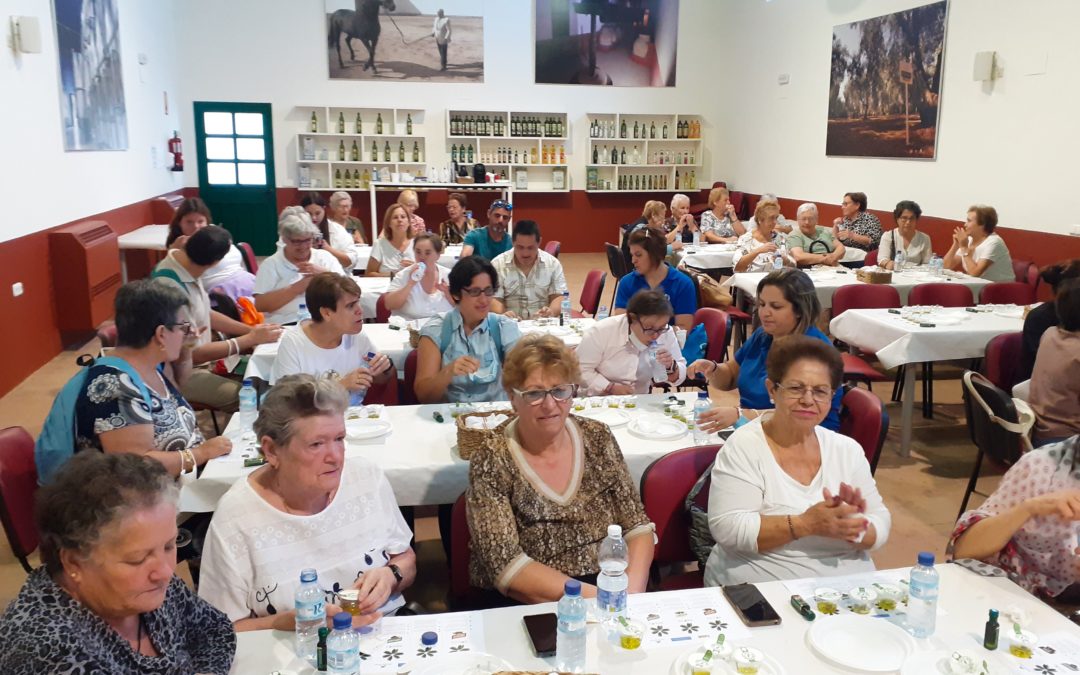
386	151
532	152
622	156
341	151
652	129
622	130
314	123
517	159
635	128
453	152
676	179
356	179
614	155
354	153
337	179
472	153
665	131
378	124
408	124
341	122
595	155
416	151
359	124
635	156
401	151
562	154
365	179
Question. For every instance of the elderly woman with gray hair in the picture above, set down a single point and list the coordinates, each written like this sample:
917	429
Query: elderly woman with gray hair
340	212
107	599
307	507
680	226
284	276
813	244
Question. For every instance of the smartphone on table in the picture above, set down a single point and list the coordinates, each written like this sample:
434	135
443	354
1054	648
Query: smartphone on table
542	630
751	605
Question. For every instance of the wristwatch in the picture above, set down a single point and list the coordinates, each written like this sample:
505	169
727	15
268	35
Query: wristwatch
396	571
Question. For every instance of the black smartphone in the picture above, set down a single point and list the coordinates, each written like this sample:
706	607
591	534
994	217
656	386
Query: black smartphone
542	629
751	605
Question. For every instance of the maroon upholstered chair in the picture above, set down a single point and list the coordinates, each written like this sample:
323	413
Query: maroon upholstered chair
591	292
871	258
18	483
1007	293
248	253
407	391
553	247
864	418
863	296
382	314
1002	361
716	322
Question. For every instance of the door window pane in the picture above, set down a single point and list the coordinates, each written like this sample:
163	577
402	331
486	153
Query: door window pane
218	123
252	173
249	124
221	173
250	148
219	148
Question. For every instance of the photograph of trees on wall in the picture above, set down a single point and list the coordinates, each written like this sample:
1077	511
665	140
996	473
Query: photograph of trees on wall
885	87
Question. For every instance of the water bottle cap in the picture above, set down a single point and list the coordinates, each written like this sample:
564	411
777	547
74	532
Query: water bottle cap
572	587
308	574
614	530
342	621
371	355
248	382
703	396
926	559
429	638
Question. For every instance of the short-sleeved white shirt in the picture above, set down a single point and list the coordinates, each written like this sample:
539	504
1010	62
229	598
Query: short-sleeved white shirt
298	354
254	553
276	272
390	258
231	264
421	305
993	248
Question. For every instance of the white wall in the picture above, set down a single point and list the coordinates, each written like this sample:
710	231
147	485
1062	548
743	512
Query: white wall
1011	146
275	51
43	186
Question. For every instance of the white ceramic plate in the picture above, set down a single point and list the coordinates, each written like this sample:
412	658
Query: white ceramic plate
936	663
363	429
613	417
681	666
656	427
861	643
463	663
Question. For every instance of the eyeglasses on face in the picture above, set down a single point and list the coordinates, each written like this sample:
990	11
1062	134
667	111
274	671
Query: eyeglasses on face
655	332
185	327
502	204
477	292
796	392
561	393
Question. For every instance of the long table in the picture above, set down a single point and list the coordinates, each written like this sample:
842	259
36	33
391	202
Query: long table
964	601
145	238
447	258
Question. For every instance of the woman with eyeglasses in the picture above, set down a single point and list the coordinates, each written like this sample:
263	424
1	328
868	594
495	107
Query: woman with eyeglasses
790	499
905	238
544	490
648	248
461	352
787	305
614	353
393	250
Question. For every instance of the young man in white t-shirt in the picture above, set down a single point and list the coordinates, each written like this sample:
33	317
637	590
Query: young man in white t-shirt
331	344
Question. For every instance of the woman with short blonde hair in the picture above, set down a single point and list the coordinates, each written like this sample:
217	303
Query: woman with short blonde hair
757	248
720	225
393	250
411	201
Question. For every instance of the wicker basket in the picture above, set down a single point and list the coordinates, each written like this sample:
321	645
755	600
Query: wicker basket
869	275
471	440
414	338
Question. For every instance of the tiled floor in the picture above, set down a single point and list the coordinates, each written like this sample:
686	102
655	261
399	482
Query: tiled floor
923	491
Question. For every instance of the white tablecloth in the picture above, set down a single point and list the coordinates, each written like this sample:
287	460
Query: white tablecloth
449	256
418	456
965	599
828	279
150	237
708	257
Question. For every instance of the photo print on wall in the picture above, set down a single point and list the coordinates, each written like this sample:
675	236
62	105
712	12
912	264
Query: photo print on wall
631	43
885	84
407	40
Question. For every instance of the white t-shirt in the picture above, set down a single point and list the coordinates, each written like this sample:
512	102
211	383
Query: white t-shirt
421	305
342	241
389	257
298	354
748	483
993	248
232	263
276	272
254	553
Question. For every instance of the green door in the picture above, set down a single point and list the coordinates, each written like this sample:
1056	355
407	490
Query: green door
235	154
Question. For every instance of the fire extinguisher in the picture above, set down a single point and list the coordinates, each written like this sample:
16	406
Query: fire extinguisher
177	150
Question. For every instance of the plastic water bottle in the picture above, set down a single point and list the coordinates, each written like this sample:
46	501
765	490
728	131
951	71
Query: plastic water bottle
659	372
564	312
356	398
602	313
778	258
923	597
310	614
936	265
899	263
249	403
418	273
570	640
343	647
612	582
701	406
697	237
302	314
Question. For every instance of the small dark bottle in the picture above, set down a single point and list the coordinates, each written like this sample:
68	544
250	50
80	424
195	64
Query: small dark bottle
320	650
990	635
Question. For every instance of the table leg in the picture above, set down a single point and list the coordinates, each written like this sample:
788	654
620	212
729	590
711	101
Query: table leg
123	266
907	406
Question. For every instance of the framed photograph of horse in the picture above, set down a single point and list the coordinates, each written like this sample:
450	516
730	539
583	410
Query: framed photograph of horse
413	40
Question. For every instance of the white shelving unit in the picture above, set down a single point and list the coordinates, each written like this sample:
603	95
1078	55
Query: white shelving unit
388	138
530	148
649	154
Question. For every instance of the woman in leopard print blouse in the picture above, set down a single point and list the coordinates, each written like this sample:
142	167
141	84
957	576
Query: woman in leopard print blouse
106	599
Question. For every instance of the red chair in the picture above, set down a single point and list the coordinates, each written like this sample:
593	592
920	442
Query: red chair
591	292
946	295
382	314
1002	363
716	322
864	418
738	200
407	390
863	296
1033	277
1007	293
664	487
697	209
18	483
553	247
463	595
871	259
248	253
1020	270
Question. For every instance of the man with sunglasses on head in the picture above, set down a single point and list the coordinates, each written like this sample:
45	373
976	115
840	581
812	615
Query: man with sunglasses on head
490	240
532	279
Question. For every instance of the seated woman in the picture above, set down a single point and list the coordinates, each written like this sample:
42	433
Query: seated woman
614	353
1054	395
331	345
1044	317
977	251
453	229
393	250
1027	527
758	248
341	214
720	225
284	276
106	598
813	244
145	415
783	225
320	511
681	226
544	490
411	201
648	246
229	277
790	499
461	352
422	299
787	305
333	238
857	227
906	238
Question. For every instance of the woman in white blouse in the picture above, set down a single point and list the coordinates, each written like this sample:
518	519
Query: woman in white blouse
757	248
422	299
906	238
307	507
333	238
393	250
614	353
977	251
790	499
